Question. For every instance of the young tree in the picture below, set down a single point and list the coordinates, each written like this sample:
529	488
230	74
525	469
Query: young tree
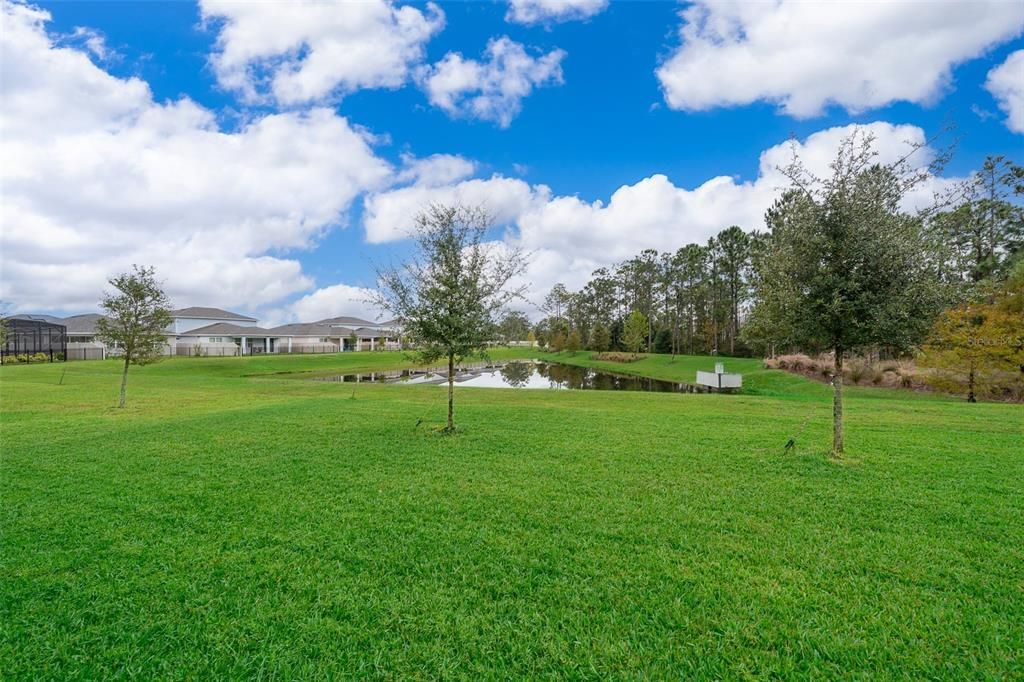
663	341
634	334
968	348
573	342
973	344
600	338
449	292
845	267
3	324
136	317
542	333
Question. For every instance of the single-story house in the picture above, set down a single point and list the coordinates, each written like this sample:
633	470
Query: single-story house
212	331
308	337
82	341
360	334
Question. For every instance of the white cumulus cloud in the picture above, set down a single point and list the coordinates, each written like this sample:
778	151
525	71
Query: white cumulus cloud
552	11
492	89
1006	83
570	237
436	169
306	50
807	55
97	176
329	301
388	216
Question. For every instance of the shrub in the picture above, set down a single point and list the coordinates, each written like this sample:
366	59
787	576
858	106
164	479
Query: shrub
771	363
794	361
615	356
857	371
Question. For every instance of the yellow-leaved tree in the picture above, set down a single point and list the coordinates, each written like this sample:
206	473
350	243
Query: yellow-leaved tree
978	348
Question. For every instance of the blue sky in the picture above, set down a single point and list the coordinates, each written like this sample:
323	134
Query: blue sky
603	117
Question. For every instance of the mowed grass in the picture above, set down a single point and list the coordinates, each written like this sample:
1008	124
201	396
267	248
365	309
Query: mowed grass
235	523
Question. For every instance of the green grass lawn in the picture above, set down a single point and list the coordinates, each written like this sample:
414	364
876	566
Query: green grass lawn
236	523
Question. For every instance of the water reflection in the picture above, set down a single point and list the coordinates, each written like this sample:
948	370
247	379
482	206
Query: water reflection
537	374
559	376
517	374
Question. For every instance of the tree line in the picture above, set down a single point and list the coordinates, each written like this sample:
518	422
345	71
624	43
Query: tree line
715	298
842	267
690	301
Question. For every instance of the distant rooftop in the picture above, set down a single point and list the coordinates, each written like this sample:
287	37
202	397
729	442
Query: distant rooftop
308	329
228	329
349	321
210	313
356	322
82	324
37	318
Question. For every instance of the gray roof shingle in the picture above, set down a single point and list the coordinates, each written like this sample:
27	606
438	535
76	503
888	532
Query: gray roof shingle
38	318
309	329
347	321
210	313
84	325
228	329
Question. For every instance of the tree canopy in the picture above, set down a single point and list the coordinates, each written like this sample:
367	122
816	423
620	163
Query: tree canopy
450	291
845	266
136	318
974	345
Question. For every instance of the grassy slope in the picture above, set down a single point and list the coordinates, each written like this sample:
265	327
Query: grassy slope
232	525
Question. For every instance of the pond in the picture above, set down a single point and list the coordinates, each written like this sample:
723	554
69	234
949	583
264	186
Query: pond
531	374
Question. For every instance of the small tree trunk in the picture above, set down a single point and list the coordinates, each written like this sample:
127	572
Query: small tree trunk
971	398
837	405
451	392
124	381
735	327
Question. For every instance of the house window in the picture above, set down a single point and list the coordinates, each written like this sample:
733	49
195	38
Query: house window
216	339
325	340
